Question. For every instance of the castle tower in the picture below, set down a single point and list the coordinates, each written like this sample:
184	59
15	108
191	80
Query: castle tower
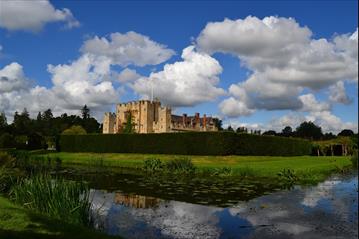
109	123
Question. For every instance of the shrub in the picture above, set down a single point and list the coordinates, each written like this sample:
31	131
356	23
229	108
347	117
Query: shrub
74	130
152	165
180	165
191	143
224	171
7	141
288	178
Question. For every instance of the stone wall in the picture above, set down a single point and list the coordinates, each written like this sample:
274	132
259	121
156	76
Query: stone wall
151	117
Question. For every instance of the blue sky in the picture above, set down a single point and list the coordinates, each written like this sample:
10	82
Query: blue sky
57	40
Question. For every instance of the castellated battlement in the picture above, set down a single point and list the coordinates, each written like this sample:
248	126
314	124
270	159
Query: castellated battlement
150	117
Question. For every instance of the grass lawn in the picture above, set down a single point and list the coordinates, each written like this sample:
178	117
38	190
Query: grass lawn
17	222
261	166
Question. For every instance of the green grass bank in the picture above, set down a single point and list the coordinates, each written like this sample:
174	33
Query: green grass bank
306	167
19	223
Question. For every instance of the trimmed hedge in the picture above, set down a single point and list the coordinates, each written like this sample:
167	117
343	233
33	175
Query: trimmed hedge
191	143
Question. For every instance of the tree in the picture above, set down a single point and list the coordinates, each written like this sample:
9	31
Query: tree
129	128
270	132
85	112
3	121
7	140
74	130
329	136
47	115
346	132
309	130
39	117
287	131
230	129
218	123
22	122
241	130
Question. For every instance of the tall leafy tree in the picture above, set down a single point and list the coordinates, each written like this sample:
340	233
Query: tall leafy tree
85	112
270	132
309	130
230	129
3	120
287	131
22	122
346	132
218	123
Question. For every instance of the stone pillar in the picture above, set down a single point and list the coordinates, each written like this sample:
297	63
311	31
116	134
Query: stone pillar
197	121
184	120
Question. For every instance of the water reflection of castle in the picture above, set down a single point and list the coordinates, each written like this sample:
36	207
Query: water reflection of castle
136	201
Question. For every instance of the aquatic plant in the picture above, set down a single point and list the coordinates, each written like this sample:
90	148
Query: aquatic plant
152	165
180	165
288	178
224	171
58	198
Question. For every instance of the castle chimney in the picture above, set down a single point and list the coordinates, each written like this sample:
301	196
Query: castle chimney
204	122
197	121
184	120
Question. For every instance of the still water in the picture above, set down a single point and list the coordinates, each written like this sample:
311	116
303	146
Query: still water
138	207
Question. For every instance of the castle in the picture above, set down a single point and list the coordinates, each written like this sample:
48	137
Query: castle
150	117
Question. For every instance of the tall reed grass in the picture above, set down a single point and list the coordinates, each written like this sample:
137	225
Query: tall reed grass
58	198
178	165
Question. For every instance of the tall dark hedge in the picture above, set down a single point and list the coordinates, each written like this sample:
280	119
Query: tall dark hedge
192	143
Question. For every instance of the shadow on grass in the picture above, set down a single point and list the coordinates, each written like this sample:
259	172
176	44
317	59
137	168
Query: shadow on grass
19	223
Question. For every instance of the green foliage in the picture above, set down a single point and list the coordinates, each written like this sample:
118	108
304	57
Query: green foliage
270	132
152	165
85	112
6	173
288	178
223	171
3	121
191	143
262	145
74	130
7	141
218	123
354	159
309	130
346	132
58	198
31	164
287	131
19	223
129	127
180	165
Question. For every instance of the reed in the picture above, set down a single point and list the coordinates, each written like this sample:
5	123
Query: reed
180	165
58	198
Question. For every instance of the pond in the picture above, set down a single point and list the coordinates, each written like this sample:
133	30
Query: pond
135	205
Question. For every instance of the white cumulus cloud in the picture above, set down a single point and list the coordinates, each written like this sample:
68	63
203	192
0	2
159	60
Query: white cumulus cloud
33	15
12	78
130	48
128	75
184	83
283	60
338	93
310	104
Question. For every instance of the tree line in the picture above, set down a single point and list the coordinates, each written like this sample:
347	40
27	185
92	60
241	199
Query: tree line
306	130
25	132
